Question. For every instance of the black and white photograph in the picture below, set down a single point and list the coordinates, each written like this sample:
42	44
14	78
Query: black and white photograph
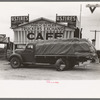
50	42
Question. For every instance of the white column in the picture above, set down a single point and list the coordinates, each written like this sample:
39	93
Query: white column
18	37
15	34
72	34
44	33
21	37
68	34
24	36
27	38
65	34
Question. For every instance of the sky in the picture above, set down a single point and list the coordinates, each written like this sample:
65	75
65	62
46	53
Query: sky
89	21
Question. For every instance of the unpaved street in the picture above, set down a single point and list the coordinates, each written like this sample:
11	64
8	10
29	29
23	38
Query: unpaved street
85	71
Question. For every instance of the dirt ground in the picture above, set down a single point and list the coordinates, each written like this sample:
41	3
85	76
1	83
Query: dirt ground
86	71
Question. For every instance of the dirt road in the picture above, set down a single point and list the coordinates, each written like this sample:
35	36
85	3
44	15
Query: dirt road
84	71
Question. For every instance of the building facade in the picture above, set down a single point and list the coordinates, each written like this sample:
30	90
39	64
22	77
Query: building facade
40	29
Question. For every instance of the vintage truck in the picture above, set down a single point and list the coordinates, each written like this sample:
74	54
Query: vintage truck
63	53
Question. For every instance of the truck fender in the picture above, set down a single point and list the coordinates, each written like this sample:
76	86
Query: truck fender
15	55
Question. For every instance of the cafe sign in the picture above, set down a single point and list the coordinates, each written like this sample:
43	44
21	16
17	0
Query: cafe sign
52	31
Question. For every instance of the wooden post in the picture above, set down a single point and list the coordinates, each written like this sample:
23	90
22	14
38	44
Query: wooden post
95	34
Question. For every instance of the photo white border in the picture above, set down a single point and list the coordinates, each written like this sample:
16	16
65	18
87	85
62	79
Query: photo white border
43	89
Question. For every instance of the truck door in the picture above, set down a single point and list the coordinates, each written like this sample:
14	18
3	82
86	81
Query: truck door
28	54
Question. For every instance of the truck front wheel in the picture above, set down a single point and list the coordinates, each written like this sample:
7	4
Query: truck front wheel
60	65
15	62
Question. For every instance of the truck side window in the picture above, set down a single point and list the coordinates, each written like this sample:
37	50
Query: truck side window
29	46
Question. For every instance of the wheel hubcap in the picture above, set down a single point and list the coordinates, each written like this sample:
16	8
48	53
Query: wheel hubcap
15	62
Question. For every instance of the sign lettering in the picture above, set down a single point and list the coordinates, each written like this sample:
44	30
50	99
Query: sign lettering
39	36
31	36
43	27
16	20
92	7
66	18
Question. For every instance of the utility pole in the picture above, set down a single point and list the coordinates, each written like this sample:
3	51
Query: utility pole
95	33
80	20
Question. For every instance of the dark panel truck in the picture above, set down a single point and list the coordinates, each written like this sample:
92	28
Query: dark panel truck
64	53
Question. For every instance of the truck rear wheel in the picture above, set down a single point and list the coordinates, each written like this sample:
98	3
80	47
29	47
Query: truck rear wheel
60	65
15	62
69	64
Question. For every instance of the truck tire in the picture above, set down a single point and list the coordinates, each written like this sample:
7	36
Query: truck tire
15	62
60	65
69	64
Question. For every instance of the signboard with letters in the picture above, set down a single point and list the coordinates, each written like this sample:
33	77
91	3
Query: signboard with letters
66	18
39	27
52	30
16	20
71	20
